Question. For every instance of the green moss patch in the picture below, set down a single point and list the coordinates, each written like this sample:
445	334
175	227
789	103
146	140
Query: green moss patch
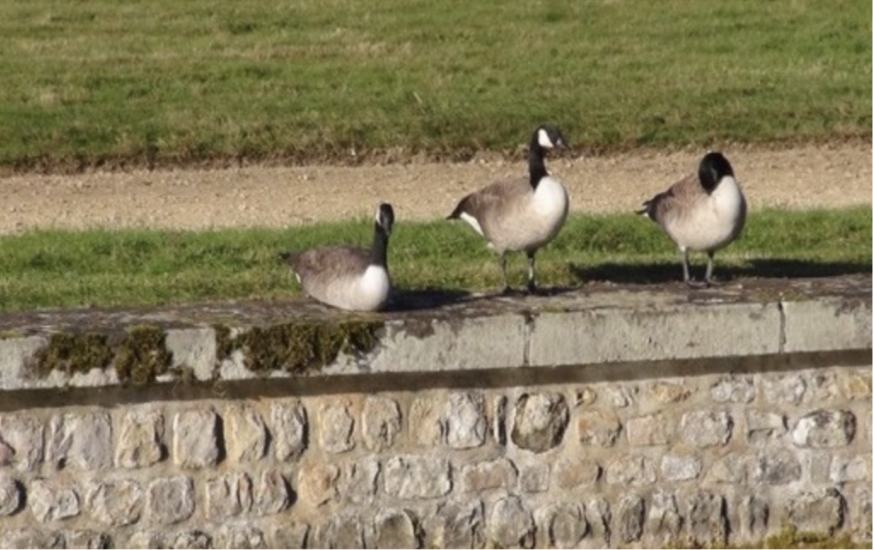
302	346
74	353
142	356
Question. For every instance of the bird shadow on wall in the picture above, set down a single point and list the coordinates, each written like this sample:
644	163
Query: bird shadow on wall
418	299
772	268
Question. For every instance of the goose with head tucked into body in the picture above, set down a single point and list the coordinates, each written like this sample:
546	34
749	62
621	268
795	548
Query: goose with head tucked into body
348	277
523	214
701	212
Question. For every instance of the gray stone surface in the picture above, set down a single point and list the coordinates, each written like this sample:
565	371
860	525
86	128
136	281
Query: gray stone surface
663	519
245	434
649	430
630	518
22	438
670	392
359	480
428	421
317	483
289	423
11	497
417	477
466	423
571	473
776	467
706	518
141	439
337	426
680	467
288	535
534	478
826	324
344	530
457	524
784	389
229	496
825	428
52	501
850	468
239	536
483	476
600	428
86	538
380	423
194	349
170	500
115	503
599	517
510	524
563	525
734	389
820	511
539	422
764	426
81	441
395	529
272	493
195	438
753	517
31	538
706	428
631	470
15	355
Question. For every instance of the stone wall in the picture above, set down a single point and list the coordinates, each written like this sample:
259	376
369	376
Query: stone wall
701	450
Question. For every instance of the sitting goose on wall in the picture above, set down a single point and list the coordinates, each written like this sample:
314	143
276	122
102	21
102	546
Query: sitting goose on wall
523	214
701	212
348	277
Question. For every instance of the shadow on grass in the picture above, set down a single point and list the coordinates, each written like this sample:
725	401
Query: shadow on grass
673	272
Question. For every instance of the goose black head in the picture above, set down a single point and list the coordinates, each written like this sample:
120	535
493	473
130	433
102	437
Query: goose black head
714	166
549	136
385	217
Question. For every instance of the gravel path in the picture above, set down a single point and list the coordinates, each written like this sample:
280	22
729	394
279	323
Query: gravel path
806	176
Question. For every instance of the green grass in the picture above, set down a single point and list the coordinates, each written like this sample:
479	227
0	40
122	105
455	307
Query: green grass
98	81
49	269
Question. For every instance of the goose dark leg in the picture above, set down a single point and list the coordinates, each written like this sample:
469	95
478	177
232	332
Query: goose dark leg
708	277
532	286
686	277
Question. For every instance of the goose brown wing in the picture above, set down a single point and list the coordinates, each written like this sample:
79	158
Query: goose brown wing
329	263
672	203
494	203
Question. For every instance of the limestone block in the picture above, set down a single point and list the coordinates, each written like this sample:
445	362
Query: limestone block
394	528
228	496
776	467
534	478
11	497
784	389
336	426
663	520
31	538
289	423
317	483
245	434
540	421
825	428
680	467
599	518
380	423
483	476
764	426
86	538
850	468
563	525
239	536
706	518
510	524
753	515
733	389
571	473
81	440
171	499
141	439
856	385
344	530
631	470
706	428
21	441
598	428
53	501
195	438
730	469
359	480
288	535
669	392
115	502
428	421
630	517
457	524
272	493
417	477
820	511
466	424
649	430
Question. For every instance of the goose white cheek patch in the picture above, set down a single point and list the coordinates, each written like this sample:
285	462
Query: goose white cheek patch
473	222
543	139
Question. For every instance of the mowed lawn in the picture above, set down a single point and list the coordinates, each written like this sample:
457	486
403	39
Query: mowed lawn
104	82
47	269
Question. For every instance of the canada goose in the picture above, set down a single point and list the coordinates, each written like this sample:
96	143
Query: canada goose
348	277
702	213
520	214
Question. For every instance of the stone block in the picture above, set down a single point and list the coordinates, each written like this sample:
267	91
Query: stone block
510	524
31	538
53	501
239	536
730	469
289	420
826	324
21	441
245	434
272	494
680	467
359	480
229	496
669	392
819	511
753	516
194	349
394	528
488	475
776	467
599	428
784	389
649	430
11	495
571	473
170	500
457	524
599	518
428	421
825	428
317	483
706	428
343	530
81	440
417	477
854	385
733	389
850	468
630	517
380	423
85	538
141	439
115	503
663	520
706	519
534	478
196	439
336	427
288	535
563	525
764	426
466	423
631	470
540	421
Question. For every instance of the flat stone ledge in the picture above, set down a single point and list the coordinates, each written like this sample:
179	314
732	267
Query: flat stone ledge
596	324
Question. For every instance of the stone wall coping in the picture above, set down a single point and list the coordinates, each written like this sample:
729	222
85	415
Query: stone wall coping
433	331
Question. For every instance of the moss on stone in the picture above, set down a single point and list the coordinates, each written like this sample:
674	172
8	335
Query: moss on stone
73	353
224	344
301	346
142	355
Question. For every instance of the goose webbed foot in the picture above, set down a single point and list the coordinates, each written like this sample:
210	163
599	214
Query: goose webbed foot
695	283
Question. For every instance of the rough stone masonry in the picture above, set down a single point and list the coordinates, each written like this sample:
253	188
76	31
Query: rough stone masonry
723	446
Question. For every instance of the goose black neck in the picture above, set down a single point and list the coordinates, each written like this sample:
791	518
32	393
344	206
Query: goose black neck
379	250
536	167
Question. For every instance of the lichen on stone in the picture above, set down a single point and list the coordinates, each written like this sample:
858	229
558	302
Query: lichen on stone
142	355
73	353
301	346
